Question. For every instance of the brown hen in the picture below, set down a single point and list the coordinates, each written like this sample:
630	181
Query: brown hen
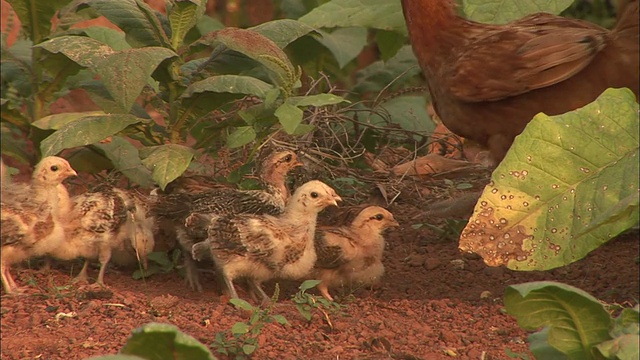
182	209
352	255
264	247
33	215
488	81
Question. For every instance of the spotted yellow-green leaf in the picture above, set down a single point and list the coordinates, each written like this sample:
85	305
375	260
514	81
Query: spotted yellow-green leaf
568	184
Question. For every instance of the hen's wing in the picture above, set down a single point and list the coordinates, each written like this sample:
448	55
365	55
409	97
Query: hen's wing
246	236
543	50
332	245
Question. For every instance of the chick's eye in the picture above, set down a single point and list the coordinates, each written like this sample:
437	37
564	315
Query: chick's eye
314	194
379	217
54	167
288	158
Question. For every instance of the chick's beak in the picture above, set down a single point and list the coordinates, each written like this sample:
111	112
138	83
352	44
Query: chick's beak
72	172
393	223
335	199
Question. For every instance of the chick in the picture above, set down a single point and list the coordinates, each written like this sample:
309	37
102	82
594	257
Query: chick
264	247
352	255
33	215
181	208
105	219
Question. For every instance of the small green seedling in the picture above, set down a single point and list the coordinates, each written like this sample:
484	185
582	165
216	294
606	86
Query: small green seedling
306	303
241	341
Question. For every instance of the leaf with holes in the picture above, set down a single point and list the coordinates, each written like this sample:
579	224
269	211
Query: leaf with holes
283	31
568	184
85	130
166	162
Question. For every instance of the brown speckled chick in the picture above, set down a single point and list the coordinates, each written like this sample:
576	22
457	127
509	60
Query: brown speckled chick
264	247
33	215
182	208
352	255
105	219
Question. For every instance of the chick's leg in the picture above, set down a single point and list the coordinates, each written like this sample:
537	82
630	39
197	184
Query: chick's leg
190	268
7	280
103	257
324	290
255	287
82	277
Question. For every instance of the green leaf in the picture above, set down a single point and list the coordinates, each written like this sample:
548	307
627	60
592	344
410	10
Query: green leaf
166	162
82	50
126	159
502	12
540	347
248	349
316	100
289	116
183	16
623	347
156	341
309	284
137	20
112	37
261	49
408	111
280	319
116	357
125	73
377	14
576	320
239	328
233	84
543	208
241	136
57	121
398	71
344	43
628	322
35	16
242	304
85	131
283	31
389	43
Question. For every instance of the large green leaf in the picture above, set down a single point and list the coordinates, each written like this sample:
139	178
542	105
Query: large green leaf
283	31
344	43
316	100
138	21
126	158
575	320
82	50
624	347
155	341
391	74
568	184
290	117
183	16
501	12
241	136
408	111
35	16
377	14
166	162
85	131
125	73
261	49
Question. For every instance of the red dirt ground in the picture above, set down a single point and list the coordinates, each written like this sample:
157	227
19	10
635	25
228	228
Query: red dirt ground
433	303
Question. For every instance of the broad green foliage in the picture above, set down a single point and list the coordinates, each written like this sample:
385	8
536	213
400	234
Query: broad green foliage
575	325
156	341
377	14
568	184
494	12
